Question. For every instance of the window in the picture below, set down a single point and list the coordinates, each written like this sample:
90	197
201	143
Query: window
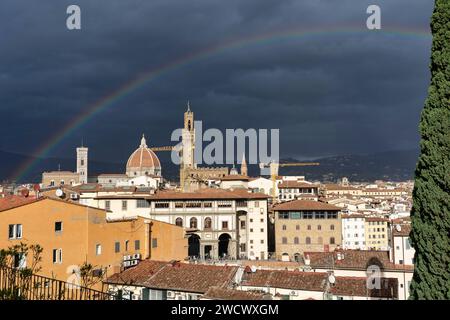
15	231
262	241
225	225
179	205
332	241
407	244
57	256
224	204
332	215
154	242
179	222
193	223
319	227
208	223
58	226
243	224
332	227
308	240
161	205
117	247
107	205
137	245
284	227
295	215
297	227
126	244
283	215
52	183
124	205
320	215
309	227
307	215
256	204
20	261
284	240
98	249
296	240
262	230
142	203
207	204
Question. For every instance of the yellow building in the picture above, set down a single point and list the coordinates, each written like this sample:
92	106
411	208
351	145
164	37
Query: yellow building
376	231
306	226
72	234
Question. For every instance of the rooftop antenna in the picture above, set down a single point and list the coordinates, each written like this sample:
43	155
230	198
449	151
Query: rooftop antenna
188	106
59	167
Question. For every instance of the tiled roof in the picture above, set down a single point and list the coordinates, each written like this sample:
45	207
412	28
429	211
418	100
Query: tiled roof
207	193
305	205
13	201
339	187
296	184
293	280
176	276
352	259
316	281
405	230
138	274
216	293
357	287
235	177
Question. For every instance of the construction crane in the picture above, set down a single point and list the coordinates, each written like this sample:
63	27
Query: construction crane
274	166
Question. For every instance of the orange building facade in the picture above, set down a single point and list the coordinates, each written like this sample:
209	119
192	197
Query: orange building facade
72	234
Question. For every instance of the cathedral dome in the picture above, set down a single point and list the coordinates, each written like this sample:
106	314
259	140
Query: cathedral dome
143	161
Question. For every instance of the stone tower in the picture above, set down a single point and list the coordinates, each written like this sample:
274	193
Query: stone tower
82	163
188	149
244	166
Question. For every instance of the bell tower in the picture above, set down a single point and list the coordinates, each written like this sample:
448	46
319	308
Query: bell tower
187	150
82	163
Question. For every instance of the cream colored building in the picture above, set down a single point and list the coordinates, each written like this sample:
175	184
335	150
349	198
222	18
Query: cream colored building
377	233
305	225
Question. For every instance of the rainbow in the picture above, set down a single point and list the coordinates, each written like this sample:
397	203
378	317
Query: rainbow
149	76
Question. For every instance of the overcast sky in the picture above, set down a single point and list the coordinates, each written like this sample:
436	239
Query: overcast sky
329	93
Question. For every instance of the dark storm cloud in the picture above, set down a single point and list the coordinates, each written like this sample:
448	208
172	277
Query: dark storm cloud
329	94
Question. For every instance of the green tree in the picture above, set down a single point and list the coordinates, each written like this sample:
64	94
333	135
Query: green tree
430	215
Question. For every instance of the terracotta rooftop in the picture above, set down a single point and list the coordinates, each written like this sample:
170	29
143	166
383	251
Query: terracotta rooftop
207	193
296	184
316	281
13	201
353	259
305	205
216	293
405	230
176	276
235	177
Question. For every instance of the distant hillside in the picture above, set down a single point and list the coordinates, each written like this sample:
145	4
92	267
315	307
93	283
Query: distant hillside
390	165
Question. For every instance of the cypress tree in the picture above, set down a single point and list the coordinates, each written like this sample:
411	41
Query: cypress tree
430	234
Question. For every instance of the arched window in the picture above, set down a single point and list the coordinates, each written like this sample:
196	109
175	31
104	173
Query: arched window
193	223
284	227
319	240
309	227
208	223
284	240
179	222
308	240
332	227
296	240
332	240
319	227
297	227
